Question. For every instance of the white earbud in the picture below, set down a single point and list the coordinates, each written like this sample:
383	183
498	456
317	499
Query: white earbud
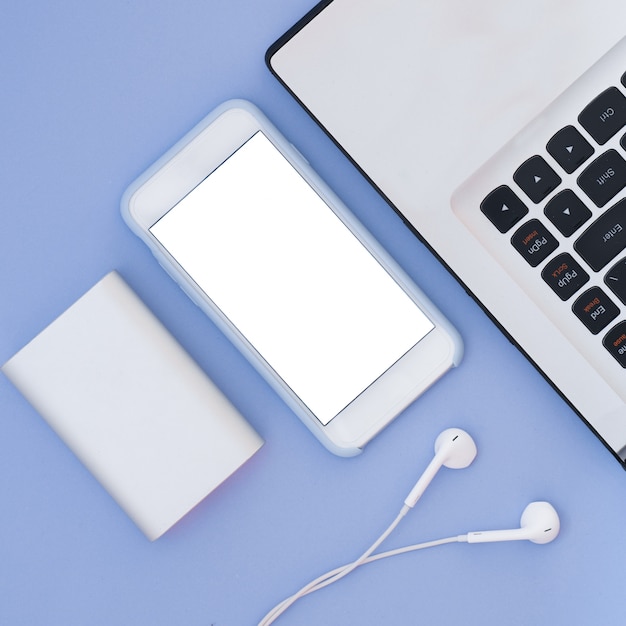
540	524
454	448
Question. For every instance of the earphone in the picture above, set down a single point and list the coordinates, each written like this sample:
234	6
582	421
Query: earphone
455	449
540	524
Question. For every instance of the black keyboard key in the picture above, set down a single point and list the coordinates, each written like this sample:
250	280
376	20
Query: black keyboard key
605	238
567	212
536	178
623	142
615	343
569	149
534	242
595	310
616	280
604	178
503	208
605	116
564	275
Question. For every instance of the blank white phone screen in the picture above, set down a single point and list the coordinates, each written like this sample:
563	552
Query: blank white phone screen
291	277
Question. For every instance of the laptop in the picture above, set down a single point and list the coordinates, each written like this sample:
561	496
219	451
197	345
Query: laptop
454	111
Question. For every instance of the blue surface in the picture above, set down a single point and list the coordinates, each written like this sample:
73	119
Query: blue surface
92	93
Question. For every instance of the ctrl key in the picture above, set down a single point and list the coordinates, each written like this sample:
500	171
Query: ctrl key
615	343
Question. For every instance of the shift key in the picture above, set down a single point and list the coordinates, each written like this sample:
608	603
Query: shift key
605	238
604	178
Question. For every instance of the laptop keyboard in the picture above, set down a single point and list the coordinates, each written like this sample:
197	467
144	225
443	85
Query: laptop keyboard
556	196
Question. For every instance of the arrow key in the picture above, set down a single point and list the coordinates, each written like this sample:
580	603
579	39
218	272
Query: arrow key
503	208
567	212
536	178
569	149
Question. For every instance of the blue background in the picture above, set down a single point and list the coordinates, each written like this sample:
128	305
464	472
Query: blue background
93	93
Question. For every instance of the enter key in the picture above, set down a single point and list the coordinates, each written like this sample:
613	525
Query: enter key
605	238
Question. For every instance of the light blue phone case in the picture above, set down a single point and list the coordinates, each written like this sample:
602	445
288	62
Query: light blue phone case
302	166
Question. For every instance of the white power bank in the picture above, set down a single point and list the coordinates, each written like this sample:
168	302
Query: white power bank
132	405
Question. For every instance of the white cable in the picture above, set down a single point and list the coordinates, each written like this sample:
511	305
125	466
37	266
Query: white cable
390	553
378	557
367	557
280	608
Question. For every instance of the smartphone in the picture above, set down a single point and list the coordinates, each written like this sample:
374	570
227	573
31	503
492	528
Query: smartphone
239	219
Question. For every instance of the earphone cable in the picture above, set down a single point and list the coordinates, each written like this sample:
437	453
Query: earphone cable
332	576
326	579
